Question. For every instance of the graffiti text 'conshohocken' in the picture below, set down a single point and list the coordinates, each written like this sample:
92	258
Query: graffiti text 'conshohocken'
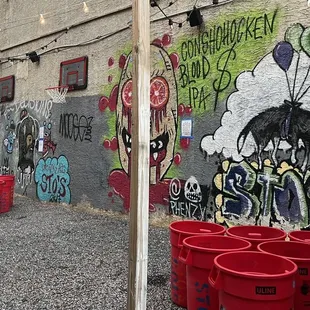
196	54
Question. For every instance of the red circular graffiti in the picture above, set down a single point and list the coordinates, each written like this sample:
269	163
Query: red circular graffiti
188	110
158	42
110	194
177	159
159	90
103	103
181	109
175	59
127	94
166	39
114	144
110	78
107	144
111	62
122	61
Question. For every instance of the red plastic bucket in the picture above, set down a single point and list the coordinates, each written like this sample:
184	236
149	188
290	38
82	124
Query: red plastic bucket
254	280
300	235
299	253
256	234
10	182
180	230
198	254
4	198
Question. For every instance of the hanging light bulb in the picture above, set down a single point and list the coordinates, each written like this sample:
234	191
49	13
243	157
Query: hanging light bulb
42	20
85	7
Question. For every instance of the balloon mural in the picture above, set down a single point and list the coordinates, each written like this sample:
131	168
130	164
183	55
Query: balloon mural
297	39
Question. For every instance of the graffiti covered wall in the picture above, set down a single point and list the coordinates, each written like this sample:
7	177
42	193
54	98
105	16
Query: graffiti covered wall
229	123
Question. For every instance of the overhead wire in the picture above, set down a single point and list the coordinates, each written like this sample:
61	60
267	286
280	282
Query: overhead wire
23	57
46	15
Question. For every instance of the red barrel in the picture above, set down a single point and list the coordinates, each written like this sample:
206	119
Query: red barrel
4	198
300	235
299	253
254	280
10	183
198	254
256	234
180	230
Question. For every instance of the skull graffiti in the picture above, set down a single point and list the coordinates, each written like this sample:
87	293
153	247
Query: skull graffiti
192	190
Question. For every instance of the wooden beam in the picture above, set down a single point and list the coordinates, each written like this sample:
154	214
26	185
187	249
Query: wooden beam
140	152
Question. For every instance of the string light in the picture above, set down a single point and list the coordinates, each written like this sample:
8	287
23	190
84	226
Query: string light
85	7
42	20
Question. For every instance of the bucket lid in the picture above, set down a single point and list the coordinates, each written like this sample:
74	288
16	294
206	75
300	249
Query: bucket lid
191	227
216	244
294	250
256	233
250	264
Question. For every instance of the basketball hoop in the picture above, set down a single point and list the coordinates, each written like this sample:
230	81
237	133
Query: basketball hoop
58	93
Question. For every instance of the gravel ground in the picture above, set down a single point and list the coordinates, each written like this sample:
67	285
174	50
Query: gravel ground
56	257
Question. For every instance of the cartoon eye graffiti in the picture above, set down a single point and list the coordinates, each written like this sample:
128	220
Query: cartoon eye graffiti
127	94
159	90
159	93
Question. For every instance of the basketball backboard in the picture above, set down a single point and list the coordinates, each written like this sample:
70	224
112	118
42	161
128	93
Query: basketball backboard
7	85
73	73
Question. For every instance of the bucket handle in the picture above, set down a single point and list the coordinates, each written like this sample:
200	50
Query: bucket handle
215	279
184	256
255	234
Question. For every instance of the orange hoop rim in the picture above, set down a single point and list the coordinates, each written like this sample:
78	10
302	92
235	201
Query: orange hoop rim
57	87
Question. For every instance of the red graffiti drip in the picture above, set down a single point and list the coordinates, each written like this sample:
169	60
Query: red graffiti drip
157	117
120	182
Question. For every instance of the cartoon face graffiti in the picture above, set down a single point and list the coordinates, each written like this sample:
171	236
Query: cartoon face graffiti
163	106
27	131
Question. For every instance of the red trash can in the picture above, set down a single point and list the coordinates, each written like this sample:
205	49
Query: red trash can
10	183
4	197
250	280
299	253
198	255
179	230
300	235
256	234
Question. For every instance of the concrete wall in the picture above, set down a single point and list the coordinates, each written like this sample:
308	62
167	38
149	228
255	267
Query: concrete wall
242	81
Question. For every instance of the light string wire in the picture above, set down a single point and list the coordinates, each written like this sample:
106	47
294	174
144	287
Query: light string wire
24	56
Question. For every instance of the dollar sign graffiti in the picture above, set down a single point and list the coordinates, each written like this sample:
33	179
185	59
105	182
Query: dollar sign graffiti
224	80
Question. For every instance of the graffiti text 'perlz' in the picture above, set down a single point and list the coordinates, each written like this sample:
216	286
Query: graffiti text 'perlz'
72	126
197	61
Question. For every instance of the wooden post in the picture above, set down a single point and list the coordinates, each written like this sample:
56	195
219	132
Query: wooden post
140	152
